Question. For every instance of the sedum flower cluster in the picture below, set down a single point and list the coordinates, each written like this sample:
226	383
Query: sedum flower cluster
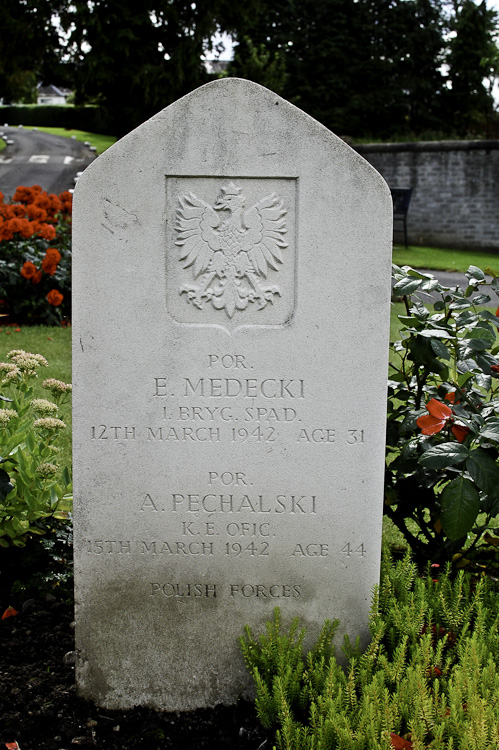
32	484
6	415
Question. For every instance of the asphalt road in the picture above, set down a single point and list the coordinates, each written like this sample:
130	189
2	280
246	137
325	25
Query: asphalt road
35	158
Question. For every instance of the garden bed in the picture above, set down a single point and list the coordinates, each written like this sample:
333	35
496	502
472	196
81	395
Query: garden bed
40	710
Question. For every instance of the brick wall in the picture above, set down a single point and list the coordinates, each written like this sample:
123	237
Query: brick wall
455	199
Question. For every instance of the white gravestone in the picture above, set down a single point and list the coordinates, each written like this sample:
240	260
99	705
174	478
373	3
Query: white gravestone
231	315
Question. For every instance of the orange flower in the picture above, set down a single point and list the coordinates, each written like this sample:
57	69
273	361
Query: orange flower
37	277
494	368
23	195
439	416
460	432
46	232
18	211
54	254
43	201
49	266
398	743
11	227
9	612
66	199
27	230
29	270
54	297
55	204
35	213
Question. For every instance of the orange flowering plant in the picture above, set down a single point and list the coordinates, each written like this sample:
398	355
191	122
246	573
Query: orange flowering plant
35	256
442	474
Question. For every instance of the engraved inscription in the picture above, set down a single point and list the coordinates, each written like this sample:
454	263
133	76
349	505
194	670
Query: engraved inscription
230	249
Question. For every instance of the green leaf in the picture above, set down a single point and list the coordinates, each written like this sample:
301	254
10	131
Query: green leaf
66	476
431	333
483	330
460	506
30	442
443	455
475	345
484	470
406	286
488	315
418	274
491	430
460	304
474	272
481	299
440	349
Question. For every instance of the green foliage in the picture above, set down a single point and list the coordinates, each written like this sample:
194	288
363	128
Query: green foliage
472	58
371	68
430	674
91	119
260	64
32	485
443	418
136	59
28	47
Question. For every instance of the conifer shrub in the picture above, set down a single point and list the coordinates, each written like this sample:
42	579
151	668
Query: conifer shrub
428	679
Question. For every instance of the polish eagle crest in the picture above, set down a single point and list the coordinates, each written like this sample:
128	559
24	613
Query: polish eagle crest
230	249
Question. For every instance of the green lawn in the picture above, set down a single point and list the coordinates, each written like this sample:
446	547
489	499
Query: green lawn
101	142
2	144
440	259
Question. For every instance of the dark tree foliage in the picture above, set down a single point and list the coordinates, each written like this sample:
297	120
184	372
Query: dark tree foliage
473	57
136	58
362	67
29	47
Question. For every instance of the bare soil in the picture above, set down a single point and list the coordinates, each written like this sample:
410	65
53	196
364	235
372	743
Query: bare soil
40	710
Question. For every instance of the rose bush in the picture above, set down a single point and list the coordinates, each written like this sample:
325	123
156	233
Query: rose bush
35	256
442	476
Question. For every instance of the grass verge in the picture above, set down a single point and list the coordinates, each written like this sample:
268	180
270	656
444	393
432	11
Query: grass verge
101	142
441	259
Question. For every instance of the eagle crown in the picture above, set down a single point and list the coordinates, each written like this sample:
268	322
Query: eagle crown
230	199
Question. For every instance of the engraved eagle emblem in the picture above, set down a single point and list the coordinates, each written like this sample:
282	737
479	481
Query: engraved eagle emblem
230	249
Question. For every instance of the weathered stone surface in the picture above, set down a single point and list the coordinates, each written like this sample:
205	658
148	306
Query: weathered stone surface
231	299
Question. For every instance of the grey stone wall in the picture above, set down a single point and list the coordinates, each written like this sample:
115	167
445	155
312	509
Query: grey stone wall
455	199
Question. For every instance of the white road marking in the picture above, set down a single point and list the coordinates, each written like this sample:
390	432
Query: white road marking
3	160
39	158
68	159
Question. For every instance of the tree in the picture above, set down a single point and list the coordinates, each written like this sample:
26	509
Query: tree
472	59
136	58
29	46
362	67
